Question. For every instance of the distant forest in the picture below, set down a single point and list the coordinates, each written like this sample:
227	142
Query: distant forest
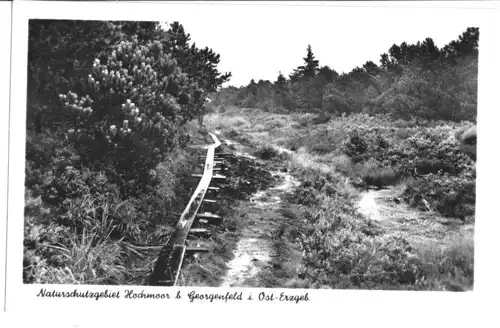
411	80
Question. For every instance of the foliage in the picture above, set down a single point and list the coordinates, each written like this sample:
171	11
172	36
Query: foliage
354	145
107	106
309	69
451	196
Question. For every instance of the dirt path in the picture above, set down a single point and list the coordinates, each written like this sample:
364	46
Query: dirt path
419	227
255	255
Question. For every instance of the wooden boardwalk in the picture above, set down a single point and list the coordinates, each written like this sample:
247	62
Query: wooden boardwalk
168	265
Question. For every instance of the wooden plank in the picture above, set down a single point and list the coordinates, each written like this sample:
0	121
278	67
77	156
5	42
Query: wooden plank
169	262
197	250
198	230
215	176
211	201
168	266
223	154
213	188
208	215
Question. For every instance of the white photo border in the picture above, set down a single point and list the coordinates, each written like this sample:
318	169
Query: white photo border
331	307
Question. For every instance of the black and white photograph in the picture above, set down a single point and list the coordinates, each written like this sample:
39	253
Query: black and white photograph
313	164
292	153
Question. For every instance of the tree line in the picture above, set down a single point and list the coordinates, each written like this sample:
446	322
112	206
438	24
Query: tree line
410	80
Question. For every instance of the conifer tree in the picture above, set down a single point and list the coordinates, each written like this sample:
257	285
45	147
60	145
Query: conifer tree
280	89
311	67
281	80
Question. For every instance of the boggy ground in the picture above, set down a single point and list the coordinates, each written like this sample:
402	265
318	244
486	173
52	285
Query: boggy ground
265	254
254	246
420	227
348	237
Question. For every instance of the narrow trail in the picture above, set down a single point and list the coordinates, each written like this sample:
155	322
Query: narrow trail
255	249
398	217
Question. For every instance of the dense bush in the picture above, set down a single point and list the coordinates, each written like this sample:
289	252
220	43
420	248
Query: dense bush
451	196
354	145
139	98
380	177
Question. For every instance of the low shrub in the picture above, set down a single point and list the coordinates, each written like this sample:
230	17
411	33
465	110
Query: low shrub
470	150
307	196
323	149
380	177
267	152
426	166
451	267
274	124
232	134
450	196
354	145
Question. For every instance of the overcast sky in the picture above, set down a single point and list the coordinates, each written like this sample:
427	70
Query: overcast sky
258	41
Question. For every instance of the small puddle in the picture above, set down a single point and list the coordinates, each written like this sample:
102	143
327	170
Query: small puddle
253	251
368	205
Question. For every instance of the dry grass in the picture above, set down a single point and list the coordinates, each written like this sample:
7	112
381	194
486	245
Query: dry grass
94	260
224	122
450	267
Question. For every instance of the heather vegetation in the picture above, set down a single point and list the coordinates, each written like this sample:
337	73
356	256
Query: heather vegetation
407	126
107	113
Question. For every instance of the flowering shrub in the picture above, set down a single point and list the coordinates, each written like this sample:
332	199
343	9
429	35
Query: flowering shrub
133	104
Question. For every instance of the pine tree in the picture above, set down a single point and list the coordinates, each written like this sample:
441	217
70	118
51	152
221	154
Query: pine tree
280	89
404	53
311	67
295	76
281	80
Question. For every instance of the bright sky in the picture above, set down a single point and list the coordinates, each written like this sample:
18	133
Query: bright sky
258	41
